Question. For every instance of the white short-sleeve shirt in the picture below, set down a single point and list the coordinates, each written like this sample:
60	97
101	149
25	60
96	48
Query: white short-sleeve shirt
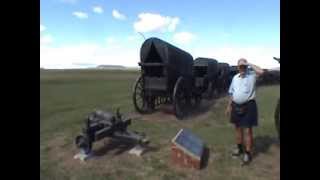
243	89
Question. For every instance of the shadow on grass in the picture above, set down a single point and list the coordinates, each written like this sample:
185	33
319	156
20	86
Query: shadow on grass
263	143
119	147
205	160
167	109
151	149
205	106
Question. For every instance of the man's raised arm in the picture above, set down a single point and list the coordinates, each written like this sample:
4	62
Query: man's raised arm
257	69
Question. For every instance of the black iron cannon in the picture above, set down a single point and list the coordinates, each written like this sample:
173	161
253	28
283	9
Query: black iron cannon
166	76
101	124
205	72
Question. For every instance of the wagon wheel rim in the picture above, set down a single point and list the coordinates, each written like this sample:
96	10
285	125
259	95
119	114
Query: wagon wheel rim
139	100
180	99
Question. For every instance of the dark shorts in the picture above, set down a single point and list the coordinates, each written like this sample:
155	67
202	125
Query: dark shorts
248	119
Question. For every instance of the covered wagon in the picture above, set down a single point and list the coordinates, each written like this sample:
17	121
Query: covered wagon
166	76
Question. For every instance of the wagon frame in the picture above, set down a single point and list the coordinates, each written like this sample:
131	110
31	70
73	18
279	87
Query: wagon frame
205	71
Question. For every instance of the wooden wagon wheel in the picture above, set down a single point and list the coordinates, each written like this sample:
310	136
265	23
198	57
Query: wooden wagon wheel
214	88
151	103
196	100
158	101
139	99
180	98
205	86
210	91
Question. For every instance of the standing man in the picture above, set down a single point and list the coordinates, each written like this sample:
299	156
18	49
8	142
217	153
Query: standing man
243	107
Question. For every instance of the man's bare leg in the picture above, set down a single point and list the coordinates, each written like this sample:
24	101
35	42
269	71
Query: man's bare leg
249	140
248	149
239	135
239	140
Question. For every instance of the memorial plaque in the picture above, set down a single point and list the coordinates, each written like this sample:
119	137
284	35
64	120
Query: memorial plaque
187	149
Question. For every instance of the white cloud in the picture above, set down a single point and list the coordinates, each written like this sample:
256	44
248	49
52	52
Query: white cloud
149	22
97	9
80	15
42	28
110	40
46	39
77	55
116	14
183	38
173	24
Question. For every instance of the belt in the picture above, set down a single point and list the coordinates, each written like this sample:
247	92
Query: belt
245	103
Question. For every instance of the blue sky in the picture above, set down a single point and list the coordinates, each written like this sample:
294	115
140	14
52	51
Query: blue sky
82	32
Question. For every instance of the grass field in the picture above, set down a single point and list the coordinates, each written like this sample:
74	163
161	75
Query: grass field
67	97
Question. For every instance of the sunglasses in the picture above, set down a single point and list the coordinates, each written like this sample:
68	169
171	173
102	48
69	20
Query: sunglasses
242	66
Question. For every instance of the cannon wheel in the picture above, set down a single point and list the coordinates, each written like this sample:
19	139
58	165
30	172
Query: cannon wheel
180	98
139	99
277	118
82	142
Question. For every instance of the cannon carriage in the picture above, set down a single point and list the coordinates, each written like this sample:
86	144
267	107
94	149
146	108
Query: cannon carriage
166	77
102	124
205	72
